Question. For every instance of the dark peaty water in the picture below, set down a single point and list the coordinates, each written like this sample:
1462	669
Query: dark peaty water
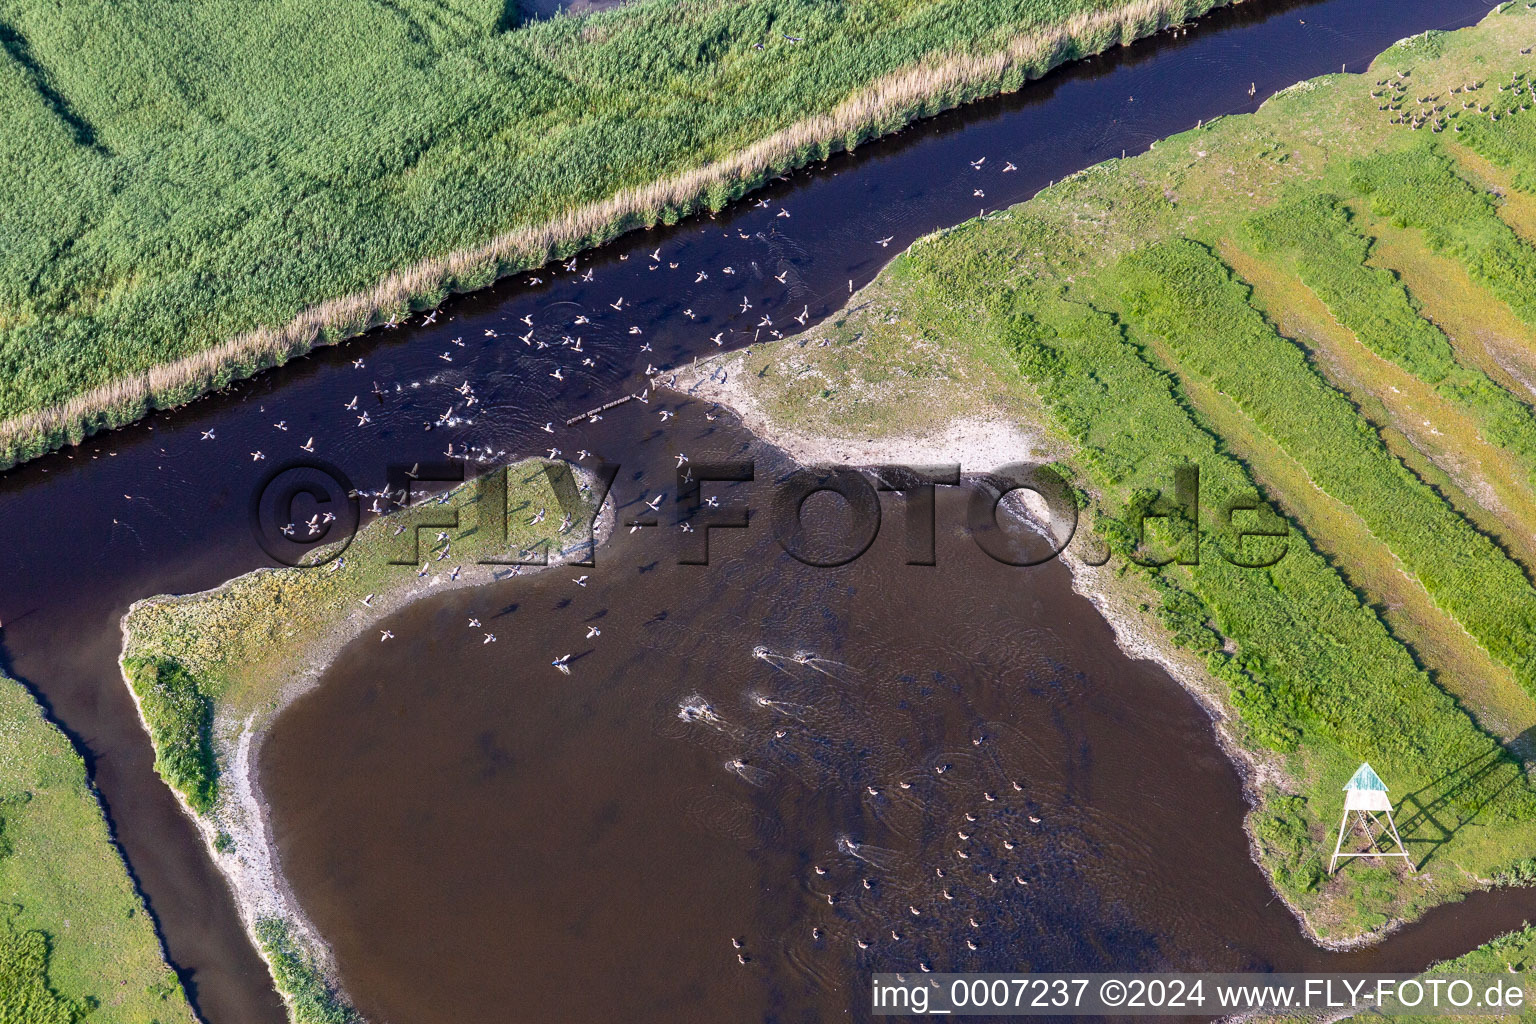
845	770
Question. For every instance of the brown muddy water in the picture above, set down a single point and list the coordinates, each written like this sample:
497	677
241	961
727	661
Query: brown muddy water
482	838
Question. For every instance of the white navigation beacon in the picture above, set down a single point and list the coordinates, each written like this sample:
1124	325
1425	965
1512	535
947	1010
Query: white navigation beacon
1365	796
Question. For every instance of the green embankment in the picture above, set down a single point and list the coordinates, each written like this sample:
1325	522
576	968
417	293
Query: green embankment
75	941
1100	313
311	999
180	719
1314	238
1309	655
1181	292
179	175
1419	188
1511	144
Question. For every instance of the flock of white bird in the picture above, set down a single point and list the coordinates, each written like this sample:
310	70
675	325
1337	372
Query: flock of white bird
565	341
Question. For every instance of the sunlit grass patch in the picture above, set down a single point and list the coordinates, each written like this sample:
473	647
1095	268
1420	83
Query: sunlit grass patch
75	939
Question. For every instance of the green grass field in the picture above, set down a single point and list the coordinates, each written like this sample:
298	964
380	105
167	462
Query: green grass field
180	176
75	941
1390	431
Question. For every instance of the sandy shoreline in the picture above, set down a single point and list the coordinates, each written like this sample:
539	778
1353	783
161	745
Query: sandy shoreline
250	862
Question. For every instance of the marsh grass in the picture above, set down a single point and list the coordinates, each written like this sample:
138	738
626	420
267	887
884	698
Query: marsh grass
311	999
75	939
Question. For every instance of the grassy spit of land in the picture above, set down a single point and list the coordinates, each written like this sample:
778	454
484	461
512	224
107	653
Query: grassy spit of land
211	671
76	943
196	192
1326	307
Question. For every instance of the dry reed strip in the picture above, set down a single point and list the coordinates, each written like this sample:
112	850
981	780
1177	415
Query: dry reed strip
929	87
